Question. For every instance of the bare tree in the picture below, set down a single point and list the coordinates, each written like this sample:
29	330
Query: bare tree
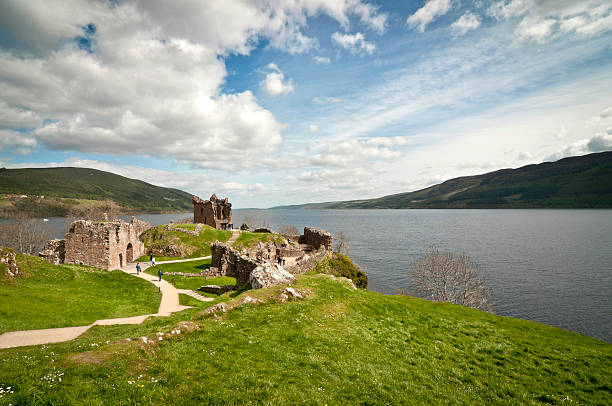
25	235
450	277
341	242
289	230
253	222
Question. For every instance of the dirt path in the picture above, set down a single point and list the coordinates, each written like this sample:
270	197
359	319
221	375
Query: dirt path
168	305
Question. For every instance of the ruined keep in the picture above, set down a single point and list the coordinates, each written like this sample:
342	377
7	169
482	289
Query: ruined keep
214	212
106	245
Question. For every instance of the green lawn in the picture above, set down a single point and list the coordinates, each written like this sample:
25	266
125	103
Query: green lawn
186	226
71	295
248	239
190	282
197	246
338	346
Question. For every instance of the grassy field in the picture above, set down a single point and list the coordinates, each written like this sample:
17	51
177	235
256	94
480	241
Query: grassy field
70	295
248	239
191	282
337	346
193	246
186	226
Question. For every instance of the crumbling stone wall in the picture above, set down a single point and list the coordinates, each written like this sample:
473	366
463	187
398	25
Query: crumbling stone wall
316	238
106	245
214	212
54	251
8	258
229	262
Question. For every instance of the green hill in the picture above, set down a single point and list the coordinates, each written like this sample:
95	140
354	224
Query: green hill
576	182
336	346
66	187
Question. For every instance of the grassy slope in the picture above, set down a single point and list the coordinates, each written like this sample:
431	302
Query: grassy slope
62	296
84	183
248	239
340	346
583	181
191	282
198	245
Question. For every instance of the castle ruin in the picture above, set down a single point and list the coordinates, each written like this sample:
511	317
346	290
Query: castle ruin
214	212
106	245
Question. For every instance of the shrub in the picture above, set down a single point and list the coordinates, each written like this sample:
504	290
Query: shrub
341	265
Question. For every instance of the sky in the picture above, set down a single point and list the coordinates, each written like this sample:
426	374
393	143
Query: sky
274	102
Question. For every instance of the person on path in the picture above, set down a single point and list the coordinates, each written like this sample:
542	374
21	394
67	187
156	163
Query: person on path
137	268
153	261
160	274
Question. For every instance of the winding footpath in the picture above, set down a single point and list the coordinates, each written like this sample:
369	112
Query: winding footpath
169	304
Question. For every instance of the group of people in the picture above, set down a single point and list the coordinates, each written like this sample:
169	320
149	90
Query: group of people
281	260
227	226
152	263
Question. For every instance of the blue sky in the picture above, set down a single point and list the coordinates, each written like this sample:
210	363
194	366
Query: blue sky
276	102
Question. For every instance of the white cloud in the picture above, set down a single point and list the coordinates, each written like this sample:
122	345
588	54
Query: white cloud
347	153
322	59
598	143
274	84
148	76
313	128
326	100
428	13
355	43
562	133
19	143
543	20
465	23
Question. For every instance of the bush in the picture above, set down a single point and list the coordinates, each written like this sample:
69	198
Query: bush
341	265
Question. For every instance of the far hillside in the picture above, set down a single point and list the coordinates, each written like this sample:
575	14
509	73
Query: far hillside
45	192
576	182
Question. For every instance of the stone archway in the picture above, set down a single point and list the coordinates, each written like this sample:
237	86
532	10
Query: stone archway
129	253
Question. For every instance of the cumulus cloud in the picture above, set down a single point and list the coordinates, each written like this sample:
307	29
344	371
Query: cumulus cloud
600	142
274	84
322	59
543	20
428	13
19	143
465	23
345	153
355	43
313	128
141	77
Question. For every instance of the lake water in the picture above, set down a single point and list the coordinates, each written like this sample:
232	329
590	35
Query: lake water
550	266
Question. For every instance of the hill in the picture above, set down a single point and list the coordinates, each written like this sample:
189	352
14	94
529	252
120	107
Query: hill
575	182
64	188
336	346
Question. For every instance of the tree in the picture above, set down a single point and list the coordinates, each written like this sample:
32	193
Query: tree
253	223
341	243
289	230
25	235
450	277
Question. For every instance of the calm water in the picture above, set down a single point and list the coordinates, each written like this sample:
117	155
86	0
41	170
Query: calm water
551	266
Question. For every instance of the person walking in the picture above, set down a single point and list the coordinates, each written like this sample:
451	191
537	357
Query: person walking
160	273
137	268
153	261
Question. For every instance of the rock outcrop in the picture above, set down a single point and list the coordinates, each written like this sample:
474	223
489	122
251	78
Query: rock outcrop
267	274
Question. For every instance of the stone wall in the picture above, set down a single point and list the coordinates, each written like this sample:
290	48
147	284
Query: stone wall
54	251
316	238
106	245
229	262
214	212
8	258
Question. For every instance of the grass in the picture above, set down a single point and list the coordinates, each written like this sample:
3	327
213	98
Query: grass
190	282
193	246
186	226
338	346
70	295
248	239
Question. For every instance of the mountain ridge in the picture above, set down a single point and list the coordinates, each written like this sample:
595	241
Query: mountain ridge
574	182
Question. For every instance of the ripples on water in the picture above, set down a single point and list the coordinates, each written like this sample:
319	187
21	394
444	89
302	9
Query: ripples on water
551	266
